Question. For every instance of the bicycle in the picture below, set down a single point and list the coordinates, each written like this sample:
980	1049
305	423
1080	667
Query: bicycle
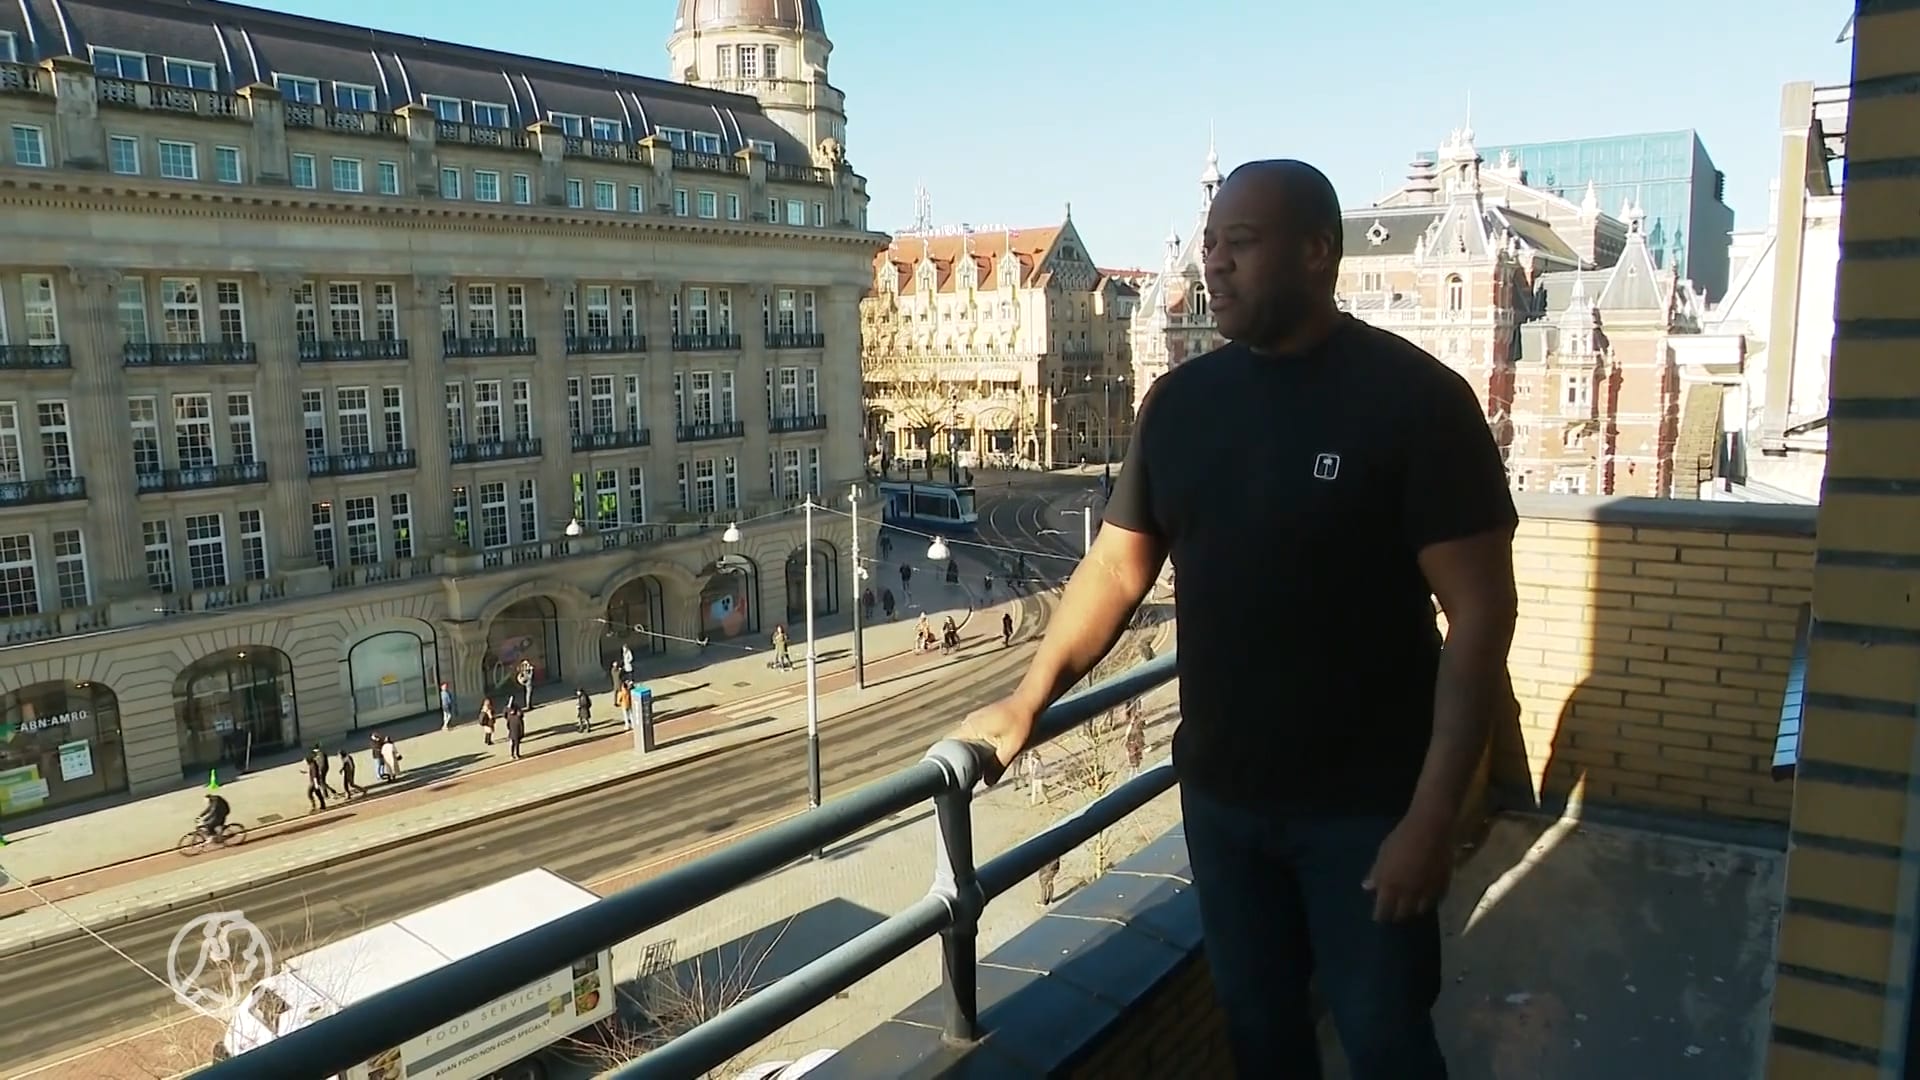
232	834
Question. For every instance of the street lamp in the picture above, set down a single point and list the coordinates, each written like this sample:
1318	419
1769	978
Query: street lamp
574	528
937	551
1086	528
859	575
732	535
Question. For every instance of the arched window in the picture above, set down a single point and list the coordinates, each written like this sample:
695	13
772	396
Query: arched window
730	599
62	746
390	675
1199	306
636	621
1456	293
234	706
527	633
826	582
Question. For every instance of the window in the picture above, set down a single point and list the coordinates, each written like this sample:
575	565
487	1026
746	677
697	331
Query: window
19	585
790	474
772	65
599	311
1456	294
120	64
313	422
393	418
676	137
240	427
226	165
529	511
456	415
193	444
70	568
462	516
709	205
123	155
486	411
608	130
445	109
346	175
492	115
56	440
400	520
703	397
680	202
449	183
230	311
386	312
9	52
304	174
323	534
41	311
351	98
766	148
483	317
606	196
486	186
636	199
157	545
143	413
12	467
568	124
749	62
29	146
180	316
680	475
787	311
362	514
516	311
253	546
298	88
813	470
705	492
131	308
636	417
796	212
730	483
576	197
808	323
193	74
810	392
773	211
723	311
789	392
636	495
723	66
389	173
343	311
600	404
522	409
697	324
306	315
573	405
356	426
493	515
606	498
1577	397
522	189
819	215
206	552
733	206
629	311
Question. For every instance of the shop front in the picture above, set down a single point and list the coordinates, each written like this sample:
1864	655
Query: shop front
59	744
235	706
523	646
390	676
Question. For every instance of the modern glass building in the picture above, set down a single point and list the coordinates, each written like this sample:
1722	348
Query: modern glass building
1668	173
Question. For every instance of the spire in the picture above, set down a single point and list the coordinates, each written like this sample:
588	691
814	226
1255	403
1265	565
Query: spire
922	209
1173	246
1210	176
1590	202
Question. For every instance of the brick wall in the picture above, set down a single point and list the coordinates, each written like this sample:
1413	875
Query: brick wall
1173	1033
1652	651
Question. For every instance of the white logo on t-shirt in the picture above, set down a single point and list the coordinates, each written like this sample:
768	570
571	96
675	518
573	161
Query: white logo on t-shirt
1326	466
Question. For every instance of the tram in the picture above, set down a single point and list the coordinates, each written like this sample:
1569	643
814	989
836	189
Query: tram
928	504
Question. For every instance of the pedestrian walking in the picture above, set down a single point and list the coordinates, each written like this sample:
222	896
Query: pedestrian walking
583	711
1035	771
886	603
347	786
487	719
986	586
446	706
516	730
906	583
326	769
1006	629
1323	751
1048	874
1136	738
379	758
866	603
315	765
623	701
526	684
389	759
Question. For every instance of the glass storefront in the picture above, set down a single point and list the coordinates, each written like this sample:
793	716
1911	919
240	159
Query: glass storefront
235	707
826	591
390	677
730	600
526	633
636	618
59	744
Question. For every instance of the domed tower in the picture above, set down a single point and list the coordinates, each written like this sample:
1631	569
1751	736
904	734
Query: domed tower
773	50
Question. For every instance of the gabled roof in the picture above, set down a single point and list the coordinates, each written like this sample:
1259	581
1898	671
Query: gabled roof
1029	248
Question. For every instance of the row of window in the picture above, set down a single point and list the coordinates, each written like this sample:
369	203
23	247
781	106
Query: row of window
52	434
363	98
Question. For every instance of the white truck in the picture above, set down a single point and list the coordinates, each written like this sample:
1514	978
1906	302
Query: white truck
500	1040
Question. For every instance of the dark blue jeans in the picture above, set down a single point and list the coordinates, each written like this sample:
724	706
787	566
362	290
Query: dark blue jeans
1281	903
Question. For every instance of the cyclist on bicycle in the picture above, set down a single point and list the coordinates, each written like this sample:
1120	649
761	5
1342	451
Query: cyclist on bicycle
214	817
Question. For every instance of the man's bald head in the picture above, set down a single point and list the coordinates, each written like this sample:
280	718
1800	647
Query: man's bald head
1299	193
1273	244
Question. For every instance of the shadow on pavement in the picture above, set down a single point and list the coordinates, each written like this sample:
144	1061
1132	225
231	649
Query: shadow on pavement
861	842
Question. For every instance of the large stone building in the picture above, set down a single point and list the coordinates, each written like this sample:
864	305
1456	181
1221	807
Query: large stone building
335	363
1172	322
1007	345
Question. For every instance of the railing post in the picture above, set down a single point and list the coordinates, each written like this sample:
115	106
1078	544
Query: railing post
954	881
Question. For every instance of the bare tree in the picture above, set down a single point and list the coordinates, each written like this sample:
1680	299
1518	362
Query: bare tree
918	396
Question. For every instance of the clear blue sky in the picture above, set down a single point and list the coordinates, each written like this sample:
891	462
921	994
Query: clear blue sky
1009	109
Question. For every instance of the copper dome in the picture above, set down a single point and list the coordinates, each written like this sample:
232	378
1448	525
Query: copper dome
728	14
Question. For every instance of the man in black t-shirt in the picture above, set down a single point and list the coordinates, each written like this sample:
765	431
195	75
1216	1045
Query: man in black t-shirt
1318	483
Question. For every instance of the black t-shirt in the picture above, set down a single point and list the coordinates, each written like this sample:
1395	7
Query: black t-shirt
1294	494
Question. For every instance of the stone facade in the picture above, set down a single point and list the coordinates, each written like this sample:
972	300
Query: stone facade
292	367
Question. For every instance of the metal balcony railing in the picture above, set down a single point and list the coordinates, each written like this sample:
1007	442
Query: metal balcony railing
188	353
35	357
709	430
786	425
364	461
476	348
951	909
796	339
44	490
706	342
312	352
199	477
625	438
494	450
600	344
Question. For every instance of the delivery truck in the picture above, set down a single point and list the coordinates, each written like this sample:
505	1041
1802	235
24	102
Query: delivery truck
499	1041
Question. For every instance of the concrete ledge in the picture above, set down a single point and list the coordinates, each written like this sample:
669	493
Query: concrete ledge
1762	518
1109	983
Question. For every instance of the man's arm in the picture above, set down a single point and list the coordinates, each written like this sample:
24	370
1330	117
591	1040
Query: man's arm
1099	600
1473	580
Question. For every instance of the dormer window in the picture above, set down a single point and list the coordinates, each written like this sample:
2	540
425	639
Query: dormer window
1378	234
298	88
489	114
445	109
706	142
120	64
765	148
676	137
189	73
610	131
350	98
570	125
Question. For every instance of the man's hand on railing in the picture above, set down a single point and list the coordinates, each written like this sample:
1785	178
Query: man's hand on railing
1003	728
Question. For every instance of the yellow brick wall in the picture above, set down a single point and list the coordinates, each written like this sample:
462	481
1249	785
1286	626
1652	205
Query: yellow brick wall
1843	988
1650	662
1174	1033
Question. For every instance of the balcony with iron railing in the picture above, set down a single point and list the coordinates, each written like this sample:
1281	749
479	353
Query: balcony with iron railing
200	477
622	439
42	491
480	348
796	339
706	342
357	463
35	357
189	354
788	425
709	430
495	450
1618	878
605	344
340	350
